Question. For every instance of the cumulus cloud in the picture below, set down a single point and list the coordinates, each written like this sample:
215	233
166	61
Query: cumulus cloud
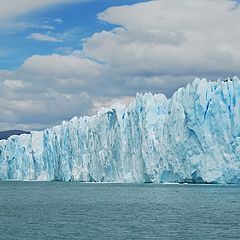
46	90
177	37
44	37
61	67
157	46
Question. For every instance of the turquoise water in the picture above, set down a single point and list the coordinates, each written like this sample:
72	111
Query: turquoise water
71	210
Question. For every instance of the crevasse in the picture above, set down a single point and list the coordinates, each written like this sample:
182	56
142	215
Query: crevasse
192	137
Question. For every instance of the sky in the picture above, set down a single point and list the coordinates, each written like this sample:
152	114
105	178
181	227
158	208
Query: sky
66	58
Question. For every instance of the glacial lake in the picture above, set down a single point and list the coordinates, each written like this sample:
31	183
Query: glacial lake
72	210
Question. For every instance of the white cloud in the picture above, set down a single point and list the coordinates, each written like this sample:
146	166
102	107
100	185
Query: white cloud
46	90
59	66
58	20
110	102
12	9
167	36
13	84
158	46
44	37
47	27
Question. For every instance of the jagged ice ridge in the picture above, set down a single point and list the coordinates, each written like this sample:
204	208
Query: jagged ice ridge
192	137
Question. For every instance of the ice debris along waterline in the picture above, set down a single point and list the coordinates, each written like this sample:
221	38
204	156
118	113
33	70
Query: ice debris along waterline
192	137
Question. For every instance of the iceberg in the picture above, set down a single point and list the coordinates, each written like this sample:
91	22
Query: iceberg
192	137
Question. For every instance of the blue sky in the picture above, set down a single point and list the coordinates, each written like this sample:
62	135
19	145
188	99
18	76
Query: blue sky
79	21
65	58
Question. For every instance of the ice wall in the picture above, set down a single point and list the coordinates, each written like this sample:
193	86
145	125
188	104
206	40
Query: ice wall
192	137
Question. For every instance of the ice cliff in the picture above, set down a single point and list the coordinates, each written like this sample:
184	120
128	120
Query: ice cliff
192	137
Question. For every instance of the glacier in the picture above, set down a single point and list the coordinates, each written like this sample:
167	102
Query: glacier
193	137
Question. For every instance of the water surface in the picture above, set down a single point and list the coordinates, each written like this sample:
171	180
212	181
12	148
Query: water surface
71	210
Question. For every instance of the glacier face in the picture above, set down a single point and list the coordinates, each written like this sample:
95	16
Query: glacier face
192	137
